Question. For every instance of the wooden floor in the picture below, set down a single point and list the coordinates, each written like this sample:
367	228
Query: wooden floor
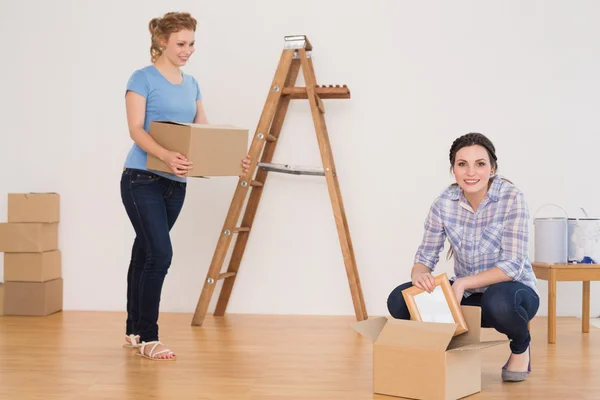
78	355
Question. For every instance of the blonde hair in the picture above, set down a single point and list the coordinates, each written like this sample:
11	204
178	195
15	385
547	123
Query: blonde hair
161	29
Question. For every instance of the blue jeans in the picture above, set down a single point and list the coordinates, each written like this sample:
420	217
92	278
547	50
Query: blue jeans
153	204
506	306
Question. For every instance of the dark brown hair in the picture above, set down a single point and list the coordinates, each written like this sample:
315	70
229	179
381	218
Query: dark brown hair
471	139
162	28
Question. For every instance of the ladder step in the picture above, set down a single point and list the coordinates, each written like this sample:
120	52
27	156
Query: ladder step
225	275
241	229
323	91
292	169
271	138
256	184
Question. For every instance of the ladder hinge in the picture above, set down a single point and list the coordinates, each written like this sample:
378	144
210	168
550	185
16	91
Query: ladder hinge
297	56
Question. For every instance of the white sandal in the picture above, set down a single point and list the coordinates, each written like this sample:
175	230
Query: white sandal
152	355
133	341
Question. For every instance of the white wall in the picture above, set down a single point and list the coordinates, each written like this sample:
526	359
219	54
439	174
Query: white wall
421	74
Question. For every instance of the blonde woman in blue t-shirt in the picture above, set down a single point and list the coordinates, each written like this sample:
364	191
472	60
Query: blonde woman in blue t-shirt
486	220
153	200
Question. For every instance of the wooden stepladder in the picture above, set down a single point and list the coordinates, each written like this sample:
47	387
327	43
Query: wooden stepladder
296	55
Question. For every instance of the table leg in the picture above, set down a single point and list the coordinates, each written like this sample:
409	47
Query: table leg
585	314
552	307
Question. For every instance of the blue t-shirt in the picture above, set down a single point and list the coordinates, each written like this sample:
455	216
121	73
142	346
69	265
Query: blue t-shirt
165	101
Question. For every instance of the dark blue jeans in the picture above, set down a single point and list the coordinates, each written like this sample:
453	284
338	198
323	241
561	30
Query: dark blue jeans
506	306
153	204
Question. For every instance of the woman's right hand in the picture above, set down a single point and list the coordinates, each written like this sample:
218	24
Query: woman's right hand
178	164
423	280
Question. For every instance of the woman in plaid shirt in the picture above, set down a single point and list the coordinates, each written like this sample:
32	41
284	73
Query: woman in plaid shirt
486	220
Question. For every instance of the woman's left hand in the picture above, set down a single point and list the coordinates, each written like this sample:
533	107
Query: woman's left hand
459	289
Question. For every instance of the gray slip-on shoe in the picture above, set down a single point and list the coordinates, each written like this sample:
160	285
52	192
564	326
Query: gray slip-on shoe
516	376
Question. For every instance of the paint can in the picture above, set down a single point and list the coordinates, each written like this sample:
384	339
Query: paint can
584	240
551	238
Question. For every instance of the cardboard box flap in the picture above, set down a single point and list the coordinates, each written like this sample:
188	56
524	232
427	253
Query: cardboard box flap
171	123
472	316
417	334
370	328
205	126
471	340
27	194
406	333
478	346
194	125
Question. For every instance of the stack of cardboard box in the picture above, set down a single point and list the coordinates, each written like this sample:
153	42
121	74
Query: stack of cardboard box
33	282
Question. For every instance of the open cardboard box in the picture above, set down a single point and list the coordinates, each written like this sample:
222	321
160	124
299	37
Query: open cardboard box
424	360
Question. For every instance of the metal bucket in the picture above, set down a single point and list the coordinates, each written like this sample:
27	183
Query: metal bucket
584	240
551	238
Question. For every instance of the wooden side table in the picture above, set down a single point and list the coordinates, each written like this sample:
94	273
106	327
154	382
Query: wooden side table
567	272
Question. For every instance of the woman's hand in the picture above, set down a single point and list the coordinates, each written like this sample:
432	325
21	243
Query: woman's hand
178	164
423	280
459	289
246	164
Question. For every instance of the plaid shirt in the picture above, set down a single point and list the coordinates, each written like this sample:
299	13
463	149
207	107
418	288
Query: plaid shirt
497	235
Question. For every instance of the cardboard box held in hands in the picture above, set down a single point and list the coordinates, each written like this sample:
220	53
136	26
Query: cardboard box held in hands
423	360
215	150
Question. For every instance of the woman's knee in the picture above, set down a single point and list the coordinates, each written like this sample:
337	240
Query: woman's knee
496	302
159	257
396	304
503	303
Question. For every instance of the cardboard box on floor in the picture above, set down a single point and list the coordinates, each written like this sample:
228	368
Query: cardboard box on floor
34	207
215	150
33	298
422	360
28	237
32	267
32	223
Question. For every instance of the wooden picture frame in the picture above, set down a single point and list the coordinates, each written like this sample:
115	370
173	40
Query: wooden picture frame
442	296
